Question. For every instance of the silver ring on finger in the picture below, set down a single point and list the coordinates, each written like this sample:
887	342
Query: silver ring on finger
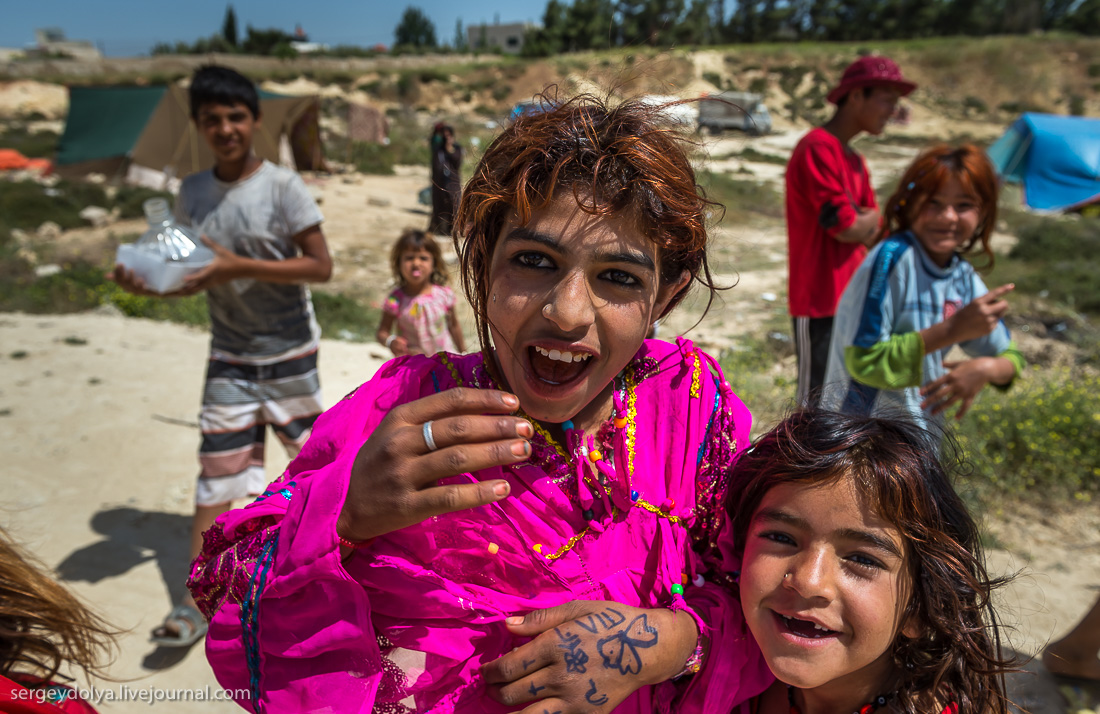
429	438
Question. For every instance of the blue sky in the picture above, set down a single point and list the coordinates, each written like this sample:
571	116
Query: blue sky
132	27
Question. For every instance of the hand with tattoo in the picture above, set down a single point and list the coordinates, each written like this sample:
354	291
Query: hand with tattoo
588	656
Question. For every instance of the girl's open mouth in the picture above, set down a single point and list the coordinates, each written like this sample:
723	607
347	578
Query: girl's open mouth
557	367
803	628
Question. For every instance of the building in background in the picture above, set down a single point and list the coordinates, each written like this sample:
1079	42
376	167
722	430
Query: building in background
507	38
51	42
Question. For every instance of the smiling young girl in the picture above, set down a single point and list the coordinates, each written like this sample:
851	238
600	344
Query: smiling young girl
422	305
916	295
531	527
862	577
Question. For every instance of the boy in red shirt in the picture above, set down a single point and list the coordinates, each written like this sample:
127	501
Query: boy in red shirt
832	215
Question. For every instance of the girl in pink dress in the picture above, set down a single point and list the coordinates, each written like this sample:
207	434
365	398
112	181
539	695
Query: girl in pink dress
862	578
422	305
534	527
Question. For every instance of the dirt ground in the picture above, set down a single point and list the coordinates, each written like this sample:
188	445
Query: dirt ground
98	417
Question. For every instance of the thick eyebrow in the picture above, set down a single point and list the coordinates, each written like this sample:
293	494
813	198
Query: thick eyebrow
522	233
874	540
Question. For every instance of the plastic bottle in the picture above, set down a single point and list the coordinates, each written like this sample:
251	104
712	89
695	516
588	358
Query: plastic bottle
166	253
166	238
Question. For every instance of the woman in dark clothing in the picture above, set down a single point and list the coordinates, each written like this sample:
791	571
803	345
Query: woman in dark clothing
446	185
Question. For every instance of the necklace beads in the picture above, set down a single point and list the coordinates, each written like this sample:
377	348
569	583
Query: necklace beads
624	421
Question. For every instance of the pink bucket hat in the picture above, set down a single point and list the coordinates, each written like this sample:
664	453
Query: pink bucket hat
868	71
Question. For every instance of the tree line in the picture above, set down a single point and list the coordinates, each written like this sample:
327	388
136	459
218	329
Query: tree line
602	24
596	24
254	41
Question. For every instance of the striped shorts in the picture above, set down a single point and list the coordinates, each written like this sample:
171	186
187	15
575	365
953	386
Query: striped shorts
238	402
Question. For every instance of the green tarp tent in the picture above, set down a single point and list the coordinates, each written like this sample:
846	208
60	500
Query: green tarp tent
147	133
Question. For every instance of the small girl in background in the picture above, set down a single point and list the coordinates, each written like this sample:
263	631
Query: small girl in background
422	304
916	295
862	577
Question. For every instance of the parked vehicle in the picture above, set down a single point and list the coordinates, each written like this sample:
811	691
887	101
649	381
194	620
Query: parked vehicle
744	111
684	114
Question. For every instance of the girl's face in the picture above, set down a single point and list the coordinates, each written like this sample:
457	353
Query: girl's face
571	297
947	220
824	585
416	267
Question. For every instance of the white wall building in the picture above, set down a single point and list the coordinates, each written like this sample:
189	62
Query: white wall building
52	41
508	38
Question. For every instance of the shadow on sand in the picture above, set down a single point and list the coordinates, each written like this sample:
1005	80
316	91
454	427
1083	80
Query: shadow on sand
1034	690
132	537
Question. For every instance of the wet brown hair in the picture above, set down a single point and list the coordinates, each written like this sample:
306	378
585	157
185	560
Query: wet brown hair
414	240
894	465
928	173
614	159
42	625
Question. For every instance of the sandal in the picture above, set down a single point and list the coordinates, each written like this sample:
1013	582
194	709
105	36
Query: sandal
189	624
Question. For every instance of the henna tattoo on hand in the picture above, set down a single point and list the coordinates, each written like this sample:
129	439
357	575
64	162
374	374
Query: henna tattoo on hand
594	697
620	650
575	658
602	620
527	663
535	689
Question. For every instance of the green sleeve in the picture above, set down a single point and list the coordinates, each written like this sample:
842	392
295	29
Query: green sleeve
1014	356
892	364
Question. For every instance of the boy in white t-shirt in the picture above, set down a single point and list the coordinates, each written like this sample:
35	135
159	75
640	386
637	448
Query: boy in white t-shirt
265	231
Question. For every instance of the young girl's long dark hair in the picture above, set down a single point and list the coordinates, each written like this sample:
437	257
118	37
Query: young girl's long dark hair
896	466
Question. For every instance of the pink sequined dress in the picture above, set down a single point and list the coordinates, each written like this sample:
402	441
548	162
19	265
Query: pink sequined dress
404	625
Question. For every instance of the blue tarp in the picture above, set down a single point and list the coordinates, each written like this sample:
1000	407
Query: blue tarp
1056	158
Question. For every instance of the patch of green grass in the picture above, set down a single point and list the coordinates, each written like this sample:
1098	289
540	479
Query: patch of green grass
346	318
371	158
409	143
751	153
742	197
1041	436
27	205
128	199
35	145
433	74
750	369
1067	247
82	286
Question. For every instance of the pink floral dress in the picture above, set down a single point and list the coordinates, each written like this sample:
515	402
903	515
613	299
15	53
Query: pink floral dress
422	320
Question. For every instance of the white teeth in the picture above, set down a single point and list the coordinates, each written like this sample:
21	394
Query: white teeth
562	356
817	627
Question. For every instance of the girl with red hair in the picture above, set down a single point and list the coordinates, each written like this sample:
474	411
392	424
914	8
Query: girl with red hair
916	295
532	527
